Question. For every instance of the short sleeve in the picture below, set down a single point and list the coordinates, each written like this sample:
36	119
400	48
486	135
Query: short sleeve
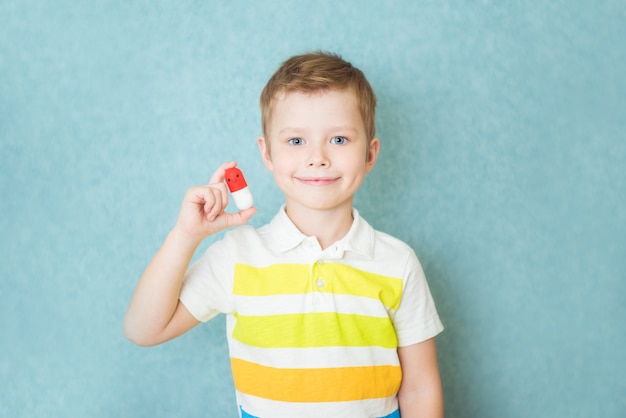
416	319
207	285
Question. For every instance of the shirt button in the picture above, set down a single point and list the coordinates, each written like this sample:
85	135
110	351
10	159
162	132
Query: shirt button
319	283
320	262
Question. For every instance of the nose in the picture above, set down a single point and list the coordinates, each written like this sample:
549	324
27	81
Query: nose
317	157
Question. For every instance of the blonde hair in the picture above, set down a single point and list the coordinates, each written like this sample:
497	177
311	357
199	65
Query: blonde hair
319	71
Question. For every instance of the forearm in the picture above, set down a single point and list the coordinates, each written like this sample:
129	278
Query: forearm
420	393
423	404
156	296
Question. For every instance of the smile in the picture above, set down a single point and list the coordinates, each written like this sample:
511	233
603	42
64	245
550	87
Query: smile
317	181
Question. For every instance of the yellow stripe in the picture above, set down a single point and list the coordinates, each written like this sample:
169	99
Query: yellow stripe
316	385
289	279
326	329
279	279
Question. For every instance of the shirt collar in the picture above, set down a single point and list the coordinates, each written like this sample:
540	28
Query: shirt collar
360	238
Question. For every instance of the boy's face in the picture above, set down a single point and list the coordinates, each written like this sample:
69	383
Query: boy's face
317	149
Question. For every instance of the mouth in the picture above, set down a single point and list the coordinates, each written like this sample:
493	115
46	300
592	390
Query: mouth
317	181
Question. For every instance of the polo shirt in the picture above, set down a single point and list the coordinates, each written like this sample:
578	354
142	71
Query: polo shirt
311	331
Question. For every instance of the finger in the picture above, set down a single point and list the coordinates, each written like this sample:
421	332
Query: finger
218	175
219	192
221	187
214	204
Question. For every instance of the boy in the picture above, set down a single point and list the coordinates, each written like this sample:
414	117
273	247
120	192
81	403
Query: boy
325	315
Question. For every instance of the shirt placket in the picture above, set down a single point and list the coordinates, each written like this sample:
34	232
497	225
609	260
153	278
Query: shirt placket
318	280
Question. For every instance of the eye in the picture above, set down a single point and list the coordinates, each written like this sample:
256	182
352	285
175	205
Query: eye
296	141
339	140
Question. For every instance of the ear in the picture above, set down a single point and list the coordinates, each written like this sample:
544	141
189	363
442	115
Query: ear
265	153
372	154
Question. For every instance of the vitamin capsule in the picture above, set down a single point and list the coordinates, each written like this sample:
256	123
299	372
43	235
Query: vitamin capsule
238	188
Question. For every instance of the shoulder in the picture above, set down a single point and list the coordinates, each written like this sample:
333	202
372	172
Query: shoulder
388	247
241	234
245	237
248	244
384	244
248	234
387	254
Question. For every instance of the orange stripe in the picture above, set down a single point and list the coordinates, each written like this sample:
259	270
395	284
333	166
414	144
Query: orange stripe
316	385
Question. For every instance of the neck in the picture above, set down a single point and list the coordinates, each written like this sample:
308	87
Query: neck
328	226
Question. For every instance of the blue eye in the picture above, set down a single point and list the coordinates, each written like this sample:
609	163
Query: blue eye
296	141
339	140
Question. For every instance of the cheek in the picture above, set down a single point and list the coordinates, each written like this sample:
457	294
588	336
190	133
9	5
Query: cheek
356	162
282	164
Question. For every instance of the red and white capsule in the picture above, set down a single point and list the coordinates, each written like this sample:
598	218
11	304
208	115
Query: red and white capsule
238	188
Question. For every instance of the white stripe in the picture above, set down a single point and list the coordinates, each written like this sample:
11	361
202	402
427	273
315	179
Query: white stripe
317	357
309	303
275	409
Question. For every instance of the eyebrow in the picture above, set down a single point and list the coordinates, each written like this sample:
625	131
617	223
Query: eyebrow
341	128
289	129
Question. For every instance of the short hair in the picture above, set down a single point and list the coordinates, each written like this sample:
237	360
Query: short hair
319	71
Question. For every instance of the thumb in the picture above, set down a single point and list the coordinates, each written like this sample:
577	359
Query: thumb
242	217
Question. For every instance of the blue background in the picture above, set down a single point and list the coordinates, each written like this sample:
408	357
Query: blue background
503	164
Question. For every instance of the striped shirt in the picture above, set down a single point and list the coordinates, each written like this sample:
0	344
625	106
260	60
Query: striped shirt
313	332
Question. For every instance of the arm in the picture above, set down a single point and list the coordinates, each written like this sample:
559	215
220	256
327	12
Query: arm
420	393
155	314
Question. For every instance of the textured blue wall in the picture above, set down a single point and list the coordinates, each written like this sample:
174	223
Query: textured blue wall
503	165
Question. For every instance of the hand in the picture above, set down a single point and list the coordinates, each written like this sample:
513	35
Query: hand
202	212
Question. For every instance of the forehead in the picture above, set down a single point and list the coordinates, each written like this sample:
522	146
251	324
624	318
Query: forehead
317	105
